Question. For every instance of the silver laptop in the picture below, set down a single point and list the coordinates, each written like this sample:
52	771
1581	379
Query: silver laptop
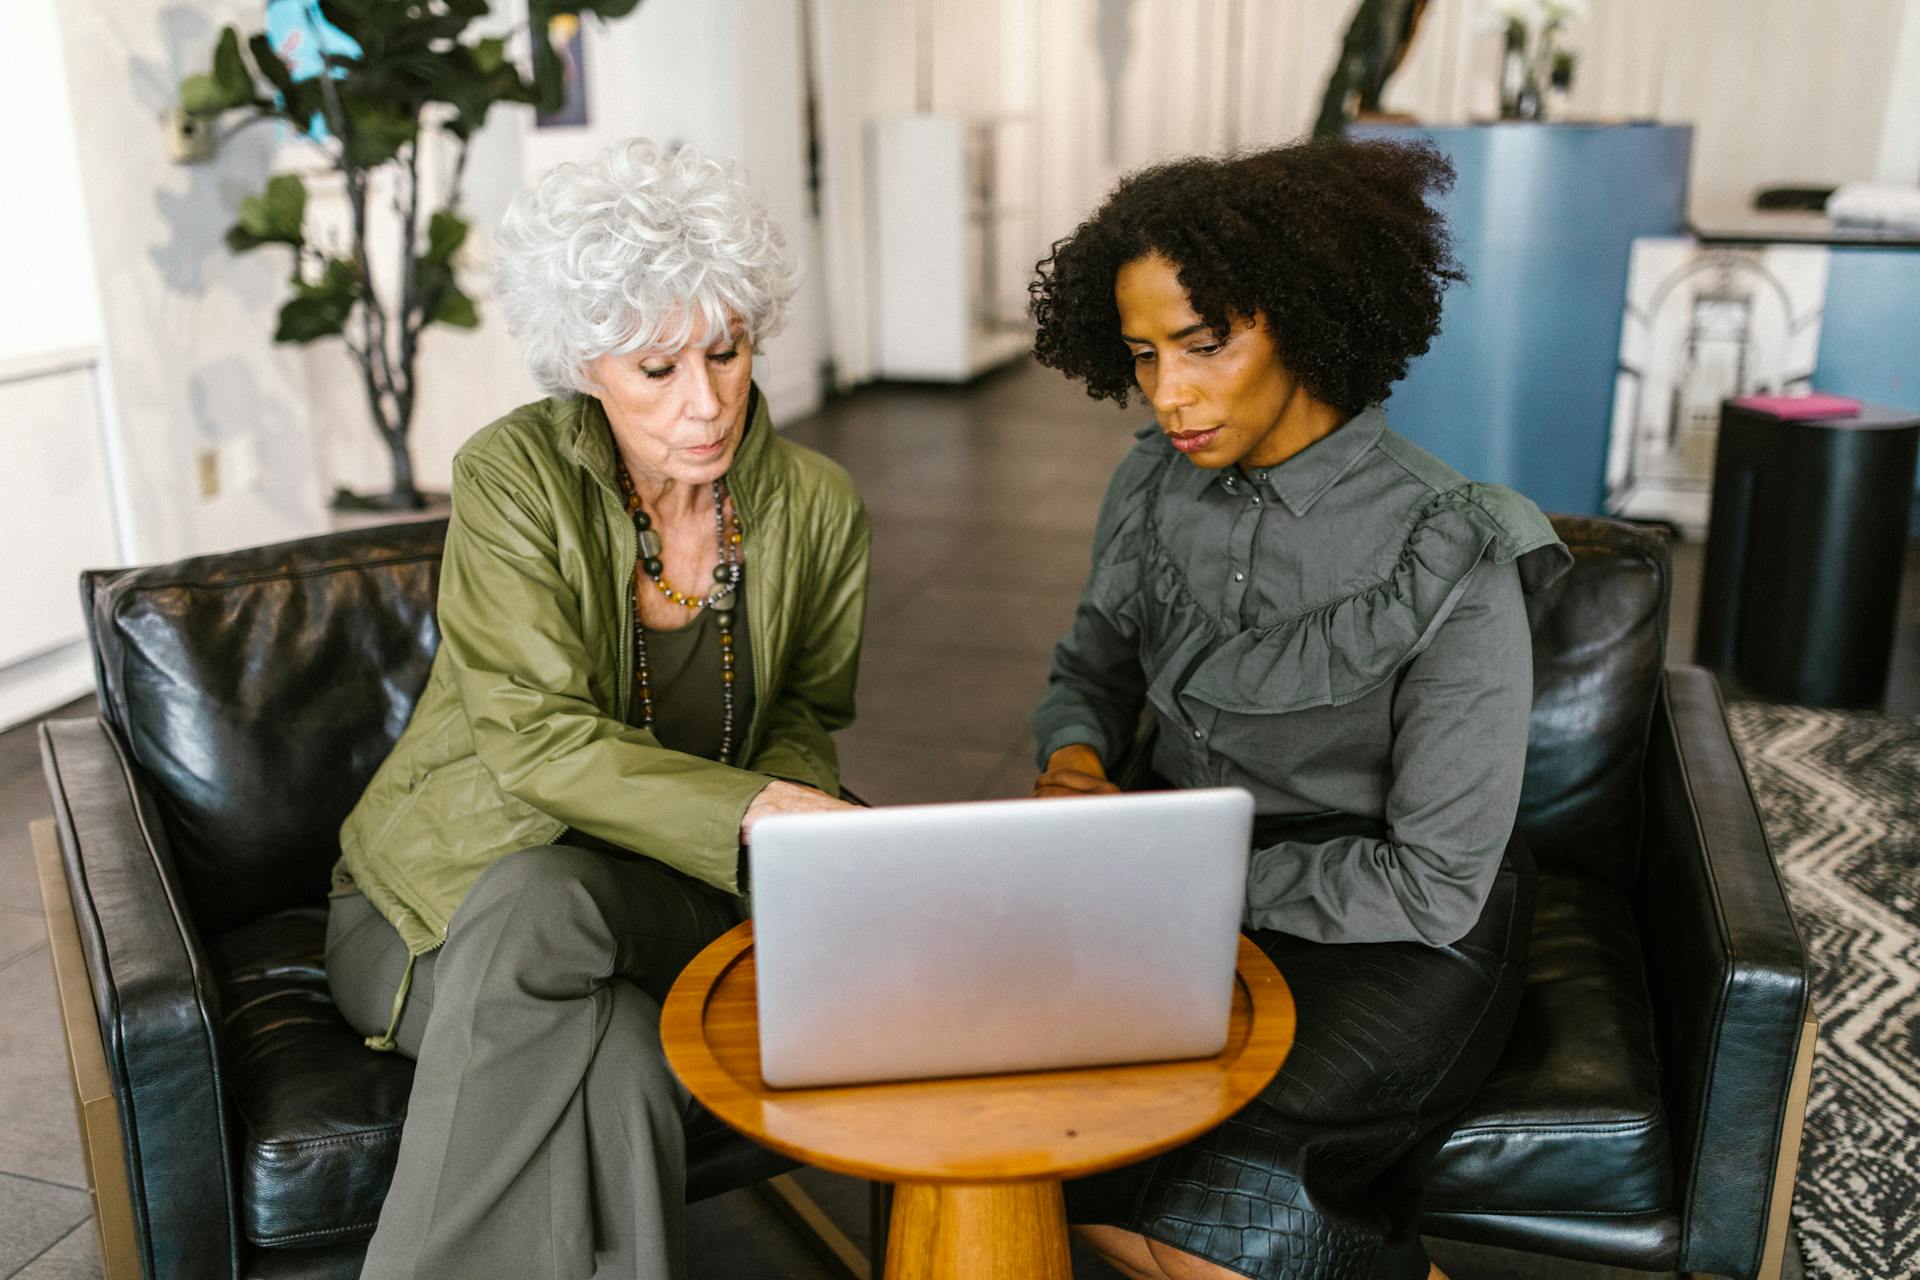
961	939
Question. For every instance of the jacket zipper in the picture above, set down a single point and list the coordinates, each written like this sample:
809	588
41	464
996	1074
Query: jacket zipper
751	736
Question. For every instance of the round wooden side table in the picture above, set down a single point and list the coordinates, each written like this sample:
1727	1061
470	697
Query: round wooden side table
976	1160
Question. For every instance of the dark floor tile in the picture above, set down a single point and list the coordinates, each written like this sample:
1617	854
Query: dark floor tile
979	701
34	1216
1067	516
76	1256
737	1237
23	800
38	1133
1020	622
1013	779
20	932
884	770
911	555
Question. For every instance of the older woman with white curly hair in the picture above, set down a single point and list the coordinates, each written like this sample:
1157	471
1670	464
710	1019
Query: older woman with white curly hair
650	612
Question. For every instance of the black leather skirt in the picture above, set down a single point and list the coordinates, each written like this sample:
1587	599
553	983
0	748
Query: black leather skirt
1321	1174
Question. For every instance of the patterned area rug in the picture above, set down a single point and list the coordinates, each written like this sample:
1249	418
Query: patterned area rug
1840	792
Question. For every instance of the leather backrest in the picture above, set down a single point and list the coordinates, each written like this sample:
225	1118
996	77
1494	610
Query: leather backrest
258	690
1599	645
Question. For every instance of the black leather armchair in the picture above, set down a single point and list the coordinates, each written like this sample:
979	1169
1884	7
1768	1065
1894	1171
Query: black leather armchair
1646	1112
245	700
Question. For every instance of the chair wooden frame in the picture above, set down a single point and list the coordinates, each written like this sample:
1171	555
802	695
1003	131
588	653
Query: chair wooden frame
98	1112
94	1103
1786	1169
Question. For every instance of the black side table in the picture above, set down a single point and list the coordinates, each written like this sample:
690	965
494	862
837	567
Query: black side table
1805	549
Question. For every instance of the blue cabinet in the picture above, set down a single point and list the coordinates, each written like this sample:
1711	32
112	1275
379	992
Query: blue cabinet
1518	386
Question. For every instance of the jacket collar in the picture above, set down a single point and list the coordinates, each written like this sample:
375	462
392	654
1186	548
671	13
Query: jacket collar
592	445
1302	479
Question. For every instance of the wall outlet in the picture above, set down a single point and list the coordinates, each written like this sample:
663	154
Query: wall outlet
207	468
190	139
240	463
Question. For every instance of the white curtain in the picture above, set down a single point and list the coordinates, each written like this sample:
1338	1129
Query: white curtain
1813	91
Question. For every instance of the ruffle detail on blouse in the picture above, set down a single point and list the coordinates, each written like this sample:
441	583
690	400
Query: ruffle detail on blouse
1343	650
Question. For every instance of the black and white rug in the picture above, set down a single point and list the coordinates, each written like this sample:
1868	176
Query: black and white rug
1840	794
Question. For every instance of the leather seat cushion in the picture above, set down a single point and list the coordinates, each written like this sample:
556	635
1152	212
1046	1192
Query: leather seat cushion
317	1114
1571	1121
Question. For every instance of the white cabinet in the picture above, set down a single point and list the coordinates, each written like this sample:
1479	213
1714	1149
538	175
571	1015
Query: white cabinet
57	520
948	255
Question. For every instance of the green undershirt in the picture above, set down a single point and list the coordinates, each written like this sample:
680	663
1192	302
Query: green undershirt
684	667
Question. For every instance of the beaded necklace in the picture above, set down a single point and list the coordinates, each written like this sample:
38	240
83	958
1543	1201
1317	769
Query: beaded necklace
721	598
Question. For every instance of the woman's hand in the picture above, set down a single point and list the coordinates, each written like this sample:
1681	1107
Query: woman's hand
786	797
1074	770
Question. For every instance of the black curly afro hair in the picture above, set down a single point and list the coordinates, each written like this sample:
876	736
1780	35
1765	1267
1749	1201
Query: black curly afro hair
1331	239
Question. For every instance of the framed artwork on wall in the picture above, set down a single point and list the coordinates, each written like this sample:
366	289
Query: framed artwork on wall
568	35
1702	323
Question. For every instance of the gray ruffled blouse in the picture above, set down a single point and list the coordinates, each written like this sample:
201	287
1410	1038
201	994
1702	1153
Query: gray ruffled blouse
1345	636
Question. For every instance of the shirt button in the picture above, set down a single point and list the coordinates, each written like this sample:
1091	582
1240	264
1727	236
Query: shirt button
1239	577
1196	735
1256	499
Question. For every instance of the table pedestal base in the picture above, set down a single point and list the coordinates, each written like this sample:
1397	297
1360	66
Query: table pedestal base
981	1231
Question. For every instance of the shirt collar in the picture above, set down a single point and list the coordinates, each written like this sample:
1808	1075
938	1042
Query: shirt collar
1300	480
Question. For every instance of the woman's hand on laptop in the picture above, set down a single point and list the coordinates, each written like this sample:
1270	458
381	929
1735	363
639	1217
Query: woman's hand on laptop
1074	770
786	797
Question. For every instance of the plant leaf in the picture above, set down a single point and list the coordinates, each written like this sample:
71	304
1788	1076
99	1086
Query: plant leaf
549	77
489	55
307	319
229	84
230	69
320	310
456	309
366	22
445	233
276	216
200	96
270	65
380	127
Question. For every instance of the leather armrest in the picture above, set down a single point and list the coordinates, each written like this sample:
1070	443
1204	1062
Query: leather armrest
1727	971
155	999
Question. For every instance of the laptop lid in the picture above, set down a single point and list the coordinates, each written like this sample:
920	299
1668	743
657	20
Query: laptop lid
962	939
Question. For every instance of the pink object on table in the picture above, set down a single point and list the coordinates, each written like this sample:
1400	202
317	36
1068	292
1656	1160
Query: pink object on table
1815	404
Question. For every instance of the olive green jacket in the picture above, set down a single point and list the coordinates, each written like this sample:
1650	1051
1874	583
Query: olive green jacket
522	734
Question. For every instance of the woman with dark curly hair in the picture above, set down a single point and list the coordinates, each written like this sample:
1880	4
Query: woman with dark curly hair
1310	607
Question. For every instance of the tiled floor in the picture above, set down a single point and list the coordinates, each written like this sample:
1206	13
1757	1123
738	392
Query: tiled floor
983	500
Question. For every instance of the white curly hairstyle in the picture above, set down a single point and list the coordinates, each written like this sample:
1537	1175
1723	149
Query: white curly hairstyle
631	250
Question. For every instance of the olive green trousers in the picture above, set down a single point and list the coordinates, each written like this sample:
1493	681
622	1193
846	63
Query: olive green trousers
544	1134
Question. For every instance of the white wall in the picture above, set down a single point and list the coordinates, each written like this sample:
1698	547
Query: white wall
186	325
722	74
1780	90
60	516
44	256
184	322
1815	91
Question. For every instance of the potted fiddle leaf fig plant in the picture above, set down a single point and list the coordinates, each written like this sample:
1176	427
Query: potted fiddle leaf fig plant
368	83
